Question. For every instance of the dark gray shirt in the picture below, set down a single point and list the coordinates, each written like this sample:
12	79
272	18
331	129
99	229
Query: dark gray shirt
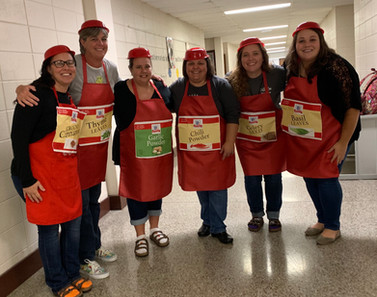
275	81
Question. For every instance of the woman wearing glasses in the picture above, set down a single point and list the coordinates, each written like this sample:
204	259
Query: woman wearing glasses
44	171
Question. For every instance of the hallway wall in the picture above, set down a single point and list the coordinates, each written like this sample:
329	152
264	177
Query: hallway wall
28	28
365	35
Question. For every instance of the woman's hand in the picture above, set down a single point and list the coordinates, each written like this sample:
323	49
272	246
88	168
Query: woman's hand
24	96
159	78
227	149
32	192
339	150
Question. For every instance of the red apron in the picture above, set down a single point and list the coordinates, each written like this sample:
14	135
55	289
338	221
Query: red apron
58	174
146	158
92	159
203	170
308	157
259	157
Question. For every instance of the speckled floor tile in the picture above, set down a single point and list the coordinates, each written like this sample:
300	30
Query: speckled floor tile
257	264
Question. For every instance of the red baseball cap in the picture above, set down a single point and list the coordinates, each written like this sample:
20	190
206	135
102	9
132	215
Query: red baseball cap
196	53
93	24
248	41
307	25
57	49
139	52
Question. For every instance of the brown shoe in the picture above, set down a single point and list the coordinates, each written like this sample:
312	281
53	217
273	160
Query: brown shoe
255	224
274	225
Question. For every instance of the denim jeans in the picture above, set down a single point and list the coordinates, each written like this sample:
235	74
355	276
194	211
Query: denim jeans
141	210
273	189
214	206
60	257
326	194
90	238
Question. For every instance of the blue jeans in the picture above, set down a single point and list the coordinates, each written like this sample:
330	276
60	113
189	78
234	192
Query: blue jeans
326	194
90	238
60	257
273	189
140	211
214	205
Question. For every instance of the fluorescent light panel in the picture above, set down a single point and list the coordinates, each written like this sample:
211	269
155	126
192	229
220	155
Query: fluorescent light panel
275	51
265	28
258	8
273	37
275	43
275	48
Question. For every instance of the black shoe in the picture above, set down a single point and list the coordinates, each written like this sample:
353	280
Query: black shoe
223	237
204	230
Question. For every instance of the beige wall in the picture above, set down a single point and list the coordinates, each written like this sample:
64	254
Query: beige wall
28	28
339	31
365	36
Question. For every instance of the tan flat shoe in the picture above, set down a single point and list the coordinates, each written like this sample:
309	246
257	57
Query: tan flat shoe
321	240
313	231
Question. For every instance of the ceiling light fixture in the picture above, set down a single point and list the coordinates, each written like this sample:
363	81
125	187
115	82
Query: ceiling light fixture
274	52
275	43
273	37
275	48
265	28
258	8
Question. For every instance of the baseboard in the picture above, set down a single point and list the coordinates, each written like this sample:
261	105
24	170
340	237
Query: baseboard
24	269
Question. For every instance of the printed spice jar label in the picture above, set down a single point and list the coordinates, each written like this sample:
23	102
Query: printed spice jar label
302	119
199	133
153	139
257	126
97	124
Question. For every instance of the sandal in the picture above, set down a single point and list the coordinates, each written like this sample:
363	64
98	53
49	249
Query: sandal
255	224
274	225
83	284
69	291
141	247
157	237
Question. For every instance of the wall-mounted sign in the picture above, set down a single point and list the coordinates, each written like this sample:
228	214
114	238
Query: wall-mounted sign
169	47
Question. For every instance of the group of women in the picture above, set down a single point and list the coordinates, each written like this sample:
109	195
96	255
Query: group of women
308	133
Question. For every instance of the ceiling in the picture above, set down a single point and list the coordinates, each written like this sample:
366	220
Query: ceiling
208	15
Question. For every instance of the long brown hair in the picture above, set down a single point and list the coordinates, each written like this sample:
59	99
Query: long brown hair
239	78
292	60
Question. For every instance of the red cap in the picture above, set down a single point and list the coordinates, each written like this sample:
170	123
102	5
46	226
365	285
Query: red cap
307	25
57	49
248	41
139	52
93	24
196	53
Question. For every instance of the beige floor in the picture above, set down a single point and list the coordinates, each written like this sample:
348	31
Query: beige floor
256	264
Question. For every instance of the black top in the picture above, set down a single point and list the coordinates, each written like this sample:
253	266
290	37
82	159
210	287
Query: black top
339	88
125	110
276	84
222	92
31	124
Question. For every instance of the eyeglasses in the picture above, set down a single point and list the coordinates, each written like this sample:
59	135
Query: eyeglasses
60	63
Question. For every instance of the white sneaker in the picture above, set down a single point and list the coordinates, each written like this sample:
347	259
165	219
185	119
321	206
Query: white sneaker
105	255
93	270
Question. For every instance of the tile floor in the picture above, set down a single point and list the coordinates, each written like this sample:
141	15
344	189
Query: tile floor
257	264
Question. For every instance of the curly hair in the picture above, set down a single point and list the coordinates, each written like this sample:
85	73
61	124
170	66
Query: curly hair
239	78
292	60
